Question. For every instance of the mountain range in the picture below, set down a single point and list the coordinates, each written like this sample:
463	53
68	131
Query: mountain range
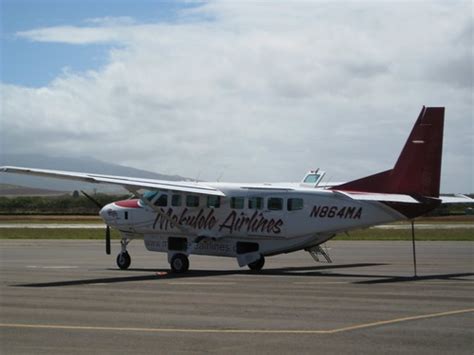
78	164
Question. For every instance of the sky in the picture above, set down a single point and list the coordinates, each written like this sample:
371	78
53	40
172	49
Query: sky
237	90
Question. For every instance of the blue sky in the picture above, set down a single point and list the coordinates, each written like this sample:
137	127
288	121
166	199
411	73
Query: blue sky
35	64
211	87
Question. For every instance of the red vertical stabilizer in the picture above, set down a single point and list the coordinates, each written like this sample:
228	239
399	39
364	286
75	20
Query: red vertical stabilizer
418	168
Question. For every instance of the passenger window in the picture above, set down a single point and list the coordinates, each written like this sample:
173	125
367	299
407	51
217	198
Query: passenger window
237	203
294	204
275	204
162	200
213	201
176	200
192	201
256	203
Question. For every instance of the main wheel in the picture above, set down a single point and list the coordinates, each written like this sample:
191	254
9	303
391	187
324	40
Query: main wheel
258	264
124	260
179	263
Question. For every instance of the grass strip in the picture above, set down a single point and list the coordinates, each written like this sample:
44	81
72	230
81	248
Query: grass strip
456	234
55	233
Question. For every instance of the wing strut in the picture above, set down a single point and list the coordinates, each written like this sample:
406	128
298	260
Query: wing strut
107	229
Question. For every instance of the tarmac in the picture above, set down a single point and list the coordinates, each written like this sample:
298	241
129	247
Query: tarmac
68	297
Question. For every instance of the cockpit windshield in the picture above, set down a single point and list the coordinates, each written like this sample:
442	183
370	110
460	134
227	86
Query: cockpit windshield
311	178
150	195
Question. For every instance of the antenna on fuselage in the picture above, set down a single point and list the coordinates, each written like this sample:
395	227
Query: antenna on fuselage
198	176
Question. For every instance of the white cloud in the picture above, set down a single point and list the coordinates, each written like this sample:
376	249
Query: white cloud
260	91
71	35
107	29
111	21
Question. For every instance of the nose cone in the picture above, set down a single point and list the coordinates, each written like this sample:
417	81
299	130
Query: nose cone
108	214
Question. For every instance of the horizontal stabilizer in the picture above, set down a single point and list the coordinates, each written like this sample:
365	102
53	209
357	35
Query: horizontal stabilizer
459	198
369	196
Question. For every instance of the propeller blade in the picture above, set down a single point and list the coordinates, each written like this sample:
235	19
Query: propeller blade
97	203
107	240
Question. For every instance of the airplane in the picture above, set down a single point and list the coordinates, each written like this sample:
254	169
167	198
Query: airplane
250	222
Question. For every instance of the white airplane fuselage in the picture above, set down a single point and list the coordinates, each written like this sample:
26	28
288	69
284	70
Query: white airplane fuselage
266	218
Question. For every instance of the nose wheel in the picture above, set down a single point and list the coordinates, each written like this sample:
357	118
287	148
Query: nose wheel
124	260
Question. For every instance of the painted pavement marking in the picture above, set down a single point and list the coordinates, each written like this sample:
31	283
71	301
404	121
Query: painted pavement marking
238	331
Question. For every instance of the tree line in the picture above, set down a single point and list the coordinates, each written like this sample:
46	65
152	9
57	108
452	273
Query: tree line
65	204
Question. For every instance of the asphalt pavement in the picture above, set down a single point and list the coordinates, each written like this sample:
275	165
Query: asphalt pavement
68	297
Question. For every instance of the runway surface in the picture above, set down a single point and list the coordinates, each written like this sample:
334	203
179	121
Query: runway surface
61	297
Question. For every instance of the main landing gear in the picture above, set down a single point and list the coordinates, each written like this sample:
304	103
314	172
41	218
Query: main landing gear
179	263
123	259
258	264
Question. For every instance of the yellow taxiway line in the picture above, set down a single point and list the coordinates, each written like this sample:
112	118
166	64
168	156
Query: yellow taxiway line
237	331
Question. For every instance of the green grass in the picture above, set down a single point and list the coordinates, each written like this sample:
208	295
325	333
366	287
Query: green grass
364	234
55	233
420	234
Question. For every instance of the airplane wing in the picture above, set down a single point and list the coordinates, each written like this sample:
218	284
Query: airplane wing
129	183
458	198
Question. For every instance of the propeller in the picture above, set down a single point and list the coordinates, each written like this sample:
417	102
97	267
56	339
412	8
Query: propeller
107	240
107	229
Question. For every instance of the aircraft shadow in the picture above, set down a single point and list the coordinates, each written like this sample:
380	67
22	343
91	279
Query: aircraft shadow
451	277
308	271
167	275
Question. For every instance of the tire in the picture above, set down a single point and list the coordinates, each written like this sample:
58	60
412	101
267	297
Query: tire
258	264
179	263
124	260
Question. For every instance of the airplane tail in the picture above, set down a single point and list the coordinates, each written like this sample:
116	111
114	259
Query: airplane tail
418	168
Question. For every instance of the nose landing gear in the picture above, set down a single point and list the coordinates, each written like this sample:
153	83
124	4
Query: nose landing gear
123	259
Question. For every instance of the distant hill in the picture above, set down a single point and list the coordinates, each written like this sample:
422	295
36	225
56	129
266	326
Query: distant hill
82	164
13	191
